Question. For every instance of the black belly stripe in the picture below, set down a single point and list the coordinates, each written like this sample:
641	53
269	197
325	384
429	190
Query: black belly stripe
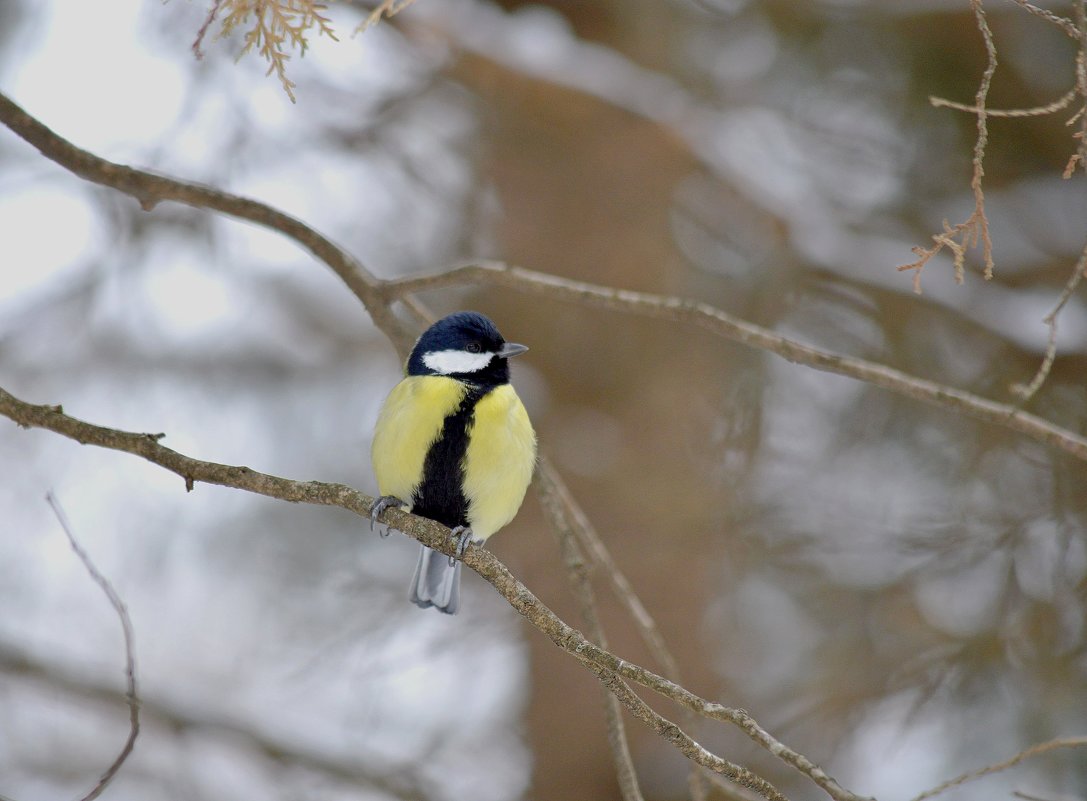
440	495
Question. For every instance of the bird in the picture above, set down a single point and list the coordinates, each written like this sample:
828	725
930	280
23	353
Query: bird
453	443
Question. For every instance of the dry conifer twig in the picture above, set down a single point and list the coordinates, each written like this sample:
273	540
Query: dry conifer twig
966	235
277	27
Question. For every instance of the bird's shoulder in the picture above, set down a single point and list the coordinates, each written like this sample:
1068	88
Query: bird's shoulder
428	394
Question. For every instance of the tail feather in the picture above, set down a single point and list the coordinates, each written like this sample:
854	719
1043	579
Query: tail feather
436	582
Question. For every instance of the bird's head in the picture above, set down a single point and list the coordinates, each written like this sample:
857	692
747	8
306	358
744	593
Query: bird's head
466	346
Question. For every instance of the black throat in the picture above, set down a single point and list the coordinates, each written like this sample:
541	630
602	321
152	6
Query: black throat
440	495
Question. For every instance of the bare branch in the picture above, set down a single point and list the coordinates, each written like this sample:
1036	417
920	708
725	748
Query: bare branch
600	661
1034	750
132	695
558	513
1037	111
1027	392
723	324
1063	23
179	717
1080	156
677	737
550	482
200	34
150	189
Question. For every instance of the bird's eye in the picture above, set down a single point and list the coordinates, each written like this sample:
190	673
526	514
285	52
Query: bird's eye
473	347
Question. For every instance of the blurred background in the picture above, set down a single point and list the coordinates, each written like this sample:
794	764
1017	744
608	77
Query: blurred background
894	590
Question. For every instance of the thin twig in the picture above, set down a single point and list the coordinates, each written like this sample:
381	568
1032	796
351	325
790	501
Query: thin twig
1063	23
132	695
1034	750
1027	392
1032	797
1037	111
200	34
675	735
387	9
1080	156
549	484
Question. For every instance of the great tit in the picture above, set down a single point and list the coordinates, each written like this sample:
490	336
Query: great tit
453	443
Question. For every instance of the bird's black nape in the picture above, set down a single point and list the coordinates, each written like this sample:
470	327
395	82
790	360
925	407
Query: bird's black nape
468	332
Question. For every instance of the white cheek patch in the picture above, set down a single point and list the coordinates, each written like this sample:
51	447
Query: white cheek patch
448	362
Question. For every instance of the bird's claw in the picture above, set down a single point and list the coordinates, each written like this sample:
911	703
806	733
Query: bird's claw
383	503
462	535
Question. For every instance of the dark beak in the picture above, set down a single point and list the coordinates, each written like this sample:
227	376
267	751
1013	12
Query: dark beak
511	349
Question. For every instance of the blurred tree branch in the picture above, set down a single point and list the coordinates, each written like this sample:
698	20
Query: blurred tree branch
180	718
997	767
149	189
132	694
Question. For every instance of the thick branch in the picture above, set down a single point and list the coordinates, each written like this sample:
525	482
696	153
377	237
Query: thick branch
723	324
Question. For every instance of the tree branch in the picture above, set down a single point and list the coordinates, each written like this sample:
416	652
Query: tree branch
577	574
725	325
434	535
179	717
150	189
132	695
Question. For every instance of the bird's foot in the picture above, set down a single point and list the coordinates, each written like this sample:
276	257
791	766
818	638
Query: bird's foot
383	503
462	535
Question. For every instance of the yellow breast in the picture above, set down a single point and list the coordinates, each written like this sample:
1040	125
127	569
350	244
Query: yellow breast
500	459
410	422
